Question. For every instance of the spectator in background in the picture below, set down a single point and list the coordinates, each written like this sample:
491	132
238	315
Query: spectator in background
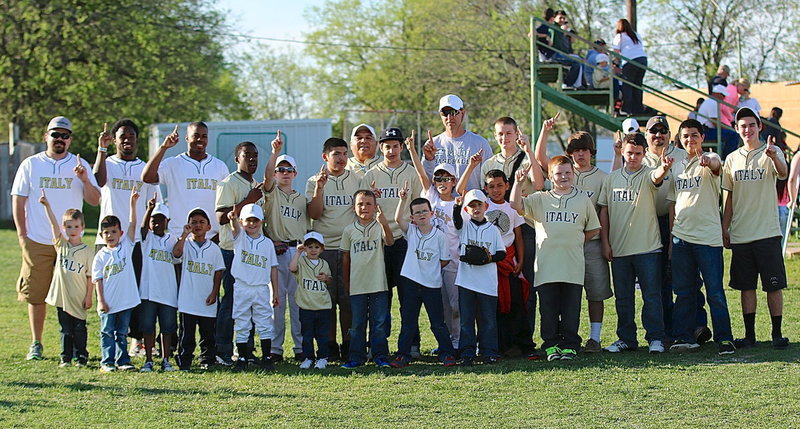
543	35
628	43
743	92
601	76
708	114
598	48
697	104
562	48
721	78
772	125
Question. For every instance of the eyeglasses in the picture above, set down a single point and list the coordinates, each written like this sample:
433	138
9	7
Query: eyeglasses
450	112
285	170
443	179
655	131
57	135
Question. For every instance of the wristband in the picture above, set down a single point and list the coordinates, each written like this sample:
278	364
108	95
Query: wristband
102	149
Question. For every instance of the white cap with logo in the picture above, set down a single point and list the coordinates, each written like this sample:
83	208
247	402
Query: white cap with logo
474	195
452	101
313	235
252	210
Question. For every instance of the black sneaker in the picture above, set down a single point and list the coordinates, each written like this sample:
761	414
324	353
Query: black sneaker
299	357
780	343
726	348
491	360
266	364
743	343
702	334
275	358
467	361
240	364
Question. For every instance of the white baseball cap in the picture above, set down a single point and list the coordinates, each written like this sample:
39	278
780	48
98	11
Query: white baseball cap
161	209
445	167
630	125
313	235
600	58
251	210
286	158
60	122
719	89
359	126
452	101
474	195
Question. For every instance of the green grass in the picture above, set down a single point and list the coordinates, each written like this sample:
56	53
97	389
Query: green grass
753	387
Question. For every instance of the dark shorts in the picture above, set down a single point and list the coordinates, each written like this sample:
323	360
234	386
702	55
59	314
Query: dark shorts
167	317
759	258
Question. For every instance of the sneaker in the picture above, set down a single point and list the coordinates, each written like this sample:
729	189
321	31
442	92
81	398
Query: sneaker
656	346
275	358
743	343
683	346
553	353
266	364
306	364
80	362
127	367
619	346
400	362
205	366
780	343
35	352
64	363
147	367
251	358
166	366
534	356
351	364
321	364
568	354
491	360
415	354
382	362
449	361
726	348
592	346
299	357
107	368
240	365
224	361
702	334
467	361
136	348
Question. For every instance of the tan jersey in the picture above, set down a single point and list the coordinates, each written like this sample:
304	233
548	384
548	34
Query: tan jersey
286	214
560	221
73	268
390	182
631	201
591	183
361	168
500	162
666	193
367	267
750	177
338	205
231	190
697	204
312	293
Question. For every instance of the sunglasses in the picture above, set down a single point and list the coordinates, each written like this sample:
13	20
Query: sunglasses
57	135
451	112
443	179
285	170
655	131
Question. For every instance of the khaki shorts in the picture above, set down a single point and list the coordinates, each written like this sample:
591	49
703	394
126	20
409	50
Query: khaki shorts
597	279
38	261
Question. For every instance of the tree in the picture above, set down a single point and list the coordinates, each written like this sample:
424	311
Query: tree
276	85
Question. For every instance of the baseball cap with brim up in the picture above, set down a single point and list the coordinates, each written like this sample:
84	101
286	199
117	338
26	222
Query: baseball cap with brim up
719	89
474	195
452	101
745	112
160	209
60	122
250	211
359	126
315	236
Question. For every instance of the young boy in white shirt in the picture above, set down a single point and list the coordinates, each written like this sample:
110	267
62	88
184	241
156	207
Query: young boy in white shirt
421	279
201	275
158	288
313	274
117	295
481	248
71	287
254	262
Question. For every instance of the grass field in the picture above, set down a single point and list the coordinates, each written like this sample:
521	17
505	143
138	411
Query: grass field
756	387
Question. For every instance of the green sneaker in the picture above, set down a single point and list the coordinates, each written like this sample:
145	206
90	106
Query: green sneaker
35	352
568	354
553	353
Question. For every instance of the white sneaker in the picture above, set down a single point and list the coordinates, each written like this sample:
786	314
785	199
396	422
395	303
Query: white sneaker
680	347
147	367
306	364
107	368
656	346
321	364
618	346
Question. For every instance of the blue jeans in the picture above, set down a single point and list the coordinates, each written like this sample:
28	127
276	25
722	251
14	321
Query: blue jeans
315	324
625	270
114	337
414	295
783	217
574	67
666	274
474	305
223	337
729	140
167	317
374	306
688	258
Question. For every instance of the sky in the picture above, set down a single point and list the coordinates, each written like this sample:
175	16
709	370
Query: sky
269	18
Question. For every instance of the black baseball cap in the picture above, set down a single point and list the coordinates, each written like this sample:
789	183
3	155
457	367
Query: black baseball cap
391	134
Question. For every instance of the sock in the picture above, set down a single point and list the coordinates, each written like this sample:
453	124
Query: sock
242	349
776	326
594	331
266	347
749	326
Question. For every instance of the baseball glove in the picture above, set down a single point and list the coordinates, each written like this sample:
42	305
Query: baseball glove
476	255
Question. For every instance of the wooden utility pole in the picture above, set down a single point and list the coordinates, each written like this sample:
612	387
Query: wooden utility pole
630	5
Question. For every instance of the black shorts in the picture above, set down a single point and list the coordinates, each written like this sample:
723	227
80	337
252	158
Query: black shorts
758	258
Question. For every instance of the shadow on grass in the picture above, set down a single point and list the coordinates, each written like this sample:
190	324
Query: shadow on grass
83	387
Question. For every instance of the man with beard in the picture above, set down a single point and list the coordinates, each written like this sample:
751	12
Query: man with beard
67	182
364	145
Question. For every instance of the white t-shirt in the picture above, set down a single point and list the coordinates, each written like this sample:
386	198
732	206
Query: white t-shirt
751	103
456	152
115	268
200	263
253	259
158	282
707	112
443	219
191	184
479	278
424	253
505	219
115	195
627	48
63	189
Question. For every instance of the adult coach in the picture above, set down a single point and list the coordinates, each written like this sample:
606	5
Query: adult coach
364	145
66	180
191	178
455	145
